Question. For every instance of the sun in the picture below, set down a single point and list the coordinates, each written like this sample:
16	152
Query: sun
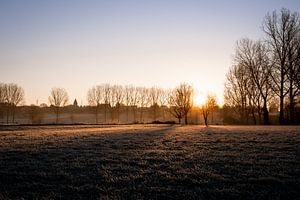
199	99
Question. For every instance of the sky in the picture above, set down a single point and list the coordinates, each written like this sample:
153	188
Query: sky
76	44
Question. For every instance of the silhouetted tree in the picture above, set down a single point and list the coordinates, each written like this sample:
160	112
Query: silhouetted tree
143	99
13	96
153	99
94	97
236	91
253	56
2	92
128	93
58	98
2	100
106	92
282	30
176	105
134	101
119	96
208	107
181	101
163	100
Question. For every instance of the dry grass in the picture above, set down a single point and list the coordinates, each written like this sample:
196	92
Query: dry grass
149	162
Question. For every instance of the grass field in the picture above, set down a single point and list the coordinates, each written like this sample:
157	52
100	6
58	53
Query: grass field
149	162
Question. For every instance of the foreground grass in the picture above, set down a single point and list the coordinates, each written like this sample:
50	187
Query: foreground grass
149	162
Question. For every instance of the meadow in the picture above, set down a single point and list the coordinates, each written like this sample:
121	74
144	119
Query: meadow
149	162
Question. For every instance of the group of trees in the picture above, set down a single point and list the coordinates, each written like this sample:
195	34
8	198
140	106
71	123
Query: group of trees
110	99
135	99
267	71
11	95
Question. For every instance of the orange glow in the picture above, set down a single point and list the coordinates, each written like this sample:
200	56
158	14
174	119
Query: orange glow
199	98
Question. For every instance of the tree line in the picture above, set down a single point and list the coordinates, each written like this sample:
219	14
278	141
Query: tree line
265	73
111	99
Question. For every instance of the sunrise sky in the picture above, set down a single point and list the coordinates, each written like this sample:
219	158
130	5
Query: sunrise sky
78	44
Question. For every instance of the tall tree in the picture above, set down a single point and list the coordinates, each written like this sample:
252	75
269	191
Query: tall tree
176	105
119	97
2	100
13	95
163	100
236	91
253	56
181	101
128	91
153	98
106	97
294	71
282	30
134	101
95	97
143	100
58	98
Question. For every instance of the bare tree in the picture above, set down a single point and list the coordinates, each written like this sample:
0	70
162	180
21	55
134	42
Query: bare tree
106	95
115	99
2	100
253	56
163	100
180	101
235	93
294	70
58	98
134	101
282	30
128	90
13	95
119	96
94	97
2	92
208	107
176	105
188	93
153	99
143	100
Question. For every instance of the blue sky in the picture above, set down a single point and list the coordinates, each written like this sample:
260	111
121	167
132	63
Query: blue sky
78	44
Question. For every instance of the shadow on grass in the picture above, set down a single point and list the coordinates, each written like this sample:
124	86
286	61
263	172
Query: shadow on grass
148	162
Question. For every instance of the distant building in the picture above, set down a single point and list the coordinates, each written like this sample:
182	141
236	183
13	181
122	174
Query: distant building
75	104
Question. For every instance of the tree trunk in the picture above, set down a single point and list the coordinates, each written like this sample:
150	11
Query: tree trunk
154	112
186	119
253	116
281	96
96	114
266	113
7	114
134	115
127	113
281	113
105	111
118	113
141	115
292	106
57	115
13	114
205	120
